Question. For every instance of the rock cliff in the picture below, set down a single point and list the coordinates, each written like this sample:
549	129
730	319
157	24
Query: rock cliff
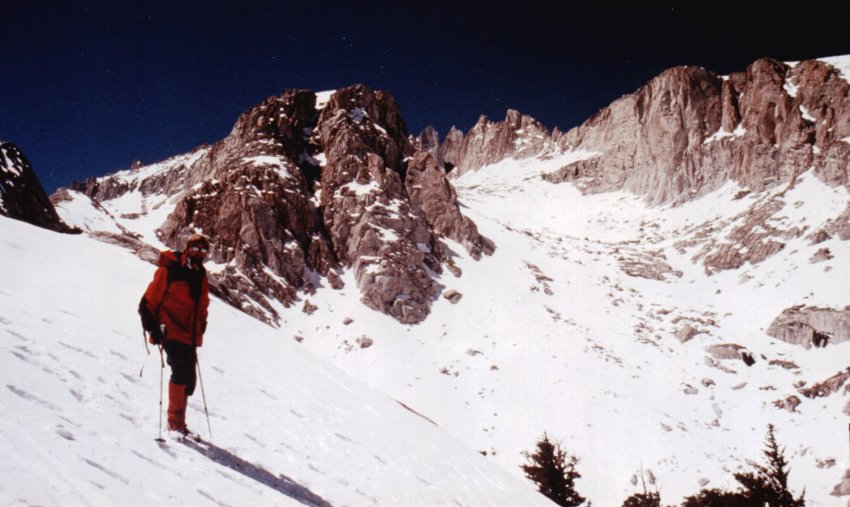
689	130
21	195
518	136
297	191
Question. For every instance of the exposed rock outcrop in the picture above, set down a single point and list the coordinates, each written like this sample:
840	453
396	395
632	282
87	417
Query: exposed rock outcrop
811	325
689	130
450	149
295	191
752	240
428	141
726	351
432	196
21	195
843	487
828	386
364	206
518	136
839	226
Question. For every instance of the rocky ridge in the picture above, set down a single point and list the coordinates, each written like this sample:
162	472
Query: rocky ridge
686	133
296	193
517	136
689	130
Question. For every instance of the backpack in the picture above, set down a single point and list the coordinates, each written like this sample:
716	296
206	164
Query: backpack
149	322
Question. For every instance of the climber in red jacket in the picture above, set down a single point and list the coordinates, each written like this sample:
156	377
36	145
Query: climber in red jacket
174	312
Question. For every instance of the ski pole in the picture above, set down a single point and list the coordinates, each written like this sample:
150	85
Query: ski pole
203	394
161	373
145	338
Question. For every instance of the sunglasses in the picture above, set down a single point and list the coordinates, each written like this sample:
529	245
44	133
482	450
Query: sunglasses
200	249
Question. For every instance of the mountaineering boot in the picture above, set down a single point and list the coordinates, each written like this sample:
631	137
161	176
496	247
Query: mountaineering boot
177	408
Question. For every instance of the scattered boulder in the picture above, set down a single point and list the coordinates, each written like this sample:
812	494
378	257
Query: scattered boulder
453	296
819	236
821	255
725	351
714	363
790	403
788	365
828	386
309	307
825	463
686	333
840	225
843	487
811	325
365	342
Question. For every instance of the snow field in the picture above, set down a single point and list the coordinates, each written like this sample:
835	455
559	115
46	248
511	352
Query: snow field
78	421
552	335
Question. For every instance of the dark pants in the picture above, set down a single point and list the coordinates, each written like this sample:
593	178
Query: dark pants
182	359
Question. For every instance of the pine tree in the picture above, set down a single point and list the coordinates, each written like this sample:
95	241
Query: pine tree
768	484
650	499
554	472
717	498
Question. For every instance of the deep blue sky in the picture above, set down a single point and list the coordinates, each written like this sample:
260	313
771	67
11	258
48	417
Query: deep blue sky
87	87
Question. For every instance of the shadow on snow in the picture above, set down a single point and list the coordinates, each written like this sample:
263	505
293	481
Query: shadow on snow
279	483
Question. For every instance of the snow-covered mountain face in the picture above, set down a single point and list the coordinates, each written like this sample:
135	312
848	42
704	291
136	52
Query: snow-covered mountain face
667	279
79	418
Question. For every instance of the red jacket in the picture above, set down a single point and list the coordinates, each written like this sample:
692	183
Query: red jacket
179	297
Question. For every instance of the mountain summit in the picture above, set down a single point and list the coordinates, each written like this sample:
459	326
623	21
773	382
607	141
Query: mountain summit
301	188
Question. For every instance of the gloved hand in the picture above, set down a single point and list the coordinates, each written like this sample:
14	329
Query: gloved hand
157	335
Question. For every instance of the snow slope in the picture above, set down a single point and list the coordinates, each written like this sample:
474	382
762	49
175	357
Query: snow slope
78	421
552	334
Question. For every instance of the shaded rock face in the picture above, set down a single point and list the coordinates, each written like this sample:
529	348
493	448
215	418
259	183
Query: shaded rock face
688	131
384	206
364	206
295	194
810	325
434	198
21	195
253	200
428	140
450	149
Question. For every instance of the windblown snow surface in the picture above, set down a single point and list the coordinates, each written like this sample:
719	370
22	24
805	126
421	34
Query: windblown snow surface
78	421
551	334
